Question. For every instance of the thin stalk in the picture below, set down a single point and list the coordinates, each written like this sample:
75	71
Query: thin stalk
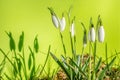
25	70
75	45
72	48
94	74
16	58
106	56
82	55
90	50
45	61
8	59
61	36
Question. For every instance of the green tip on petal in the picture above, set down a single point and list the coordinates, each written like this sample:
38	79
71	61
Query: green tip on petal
51	10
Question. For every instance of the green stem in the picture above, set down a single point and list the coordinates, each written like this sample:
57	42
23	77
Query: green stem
8	59
95	46
45	61
90	50
106	56
25	70
82	55
72	45
61	36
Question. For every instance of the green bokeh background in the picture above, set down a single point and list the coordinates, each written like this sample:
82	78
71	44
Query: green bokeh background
33	17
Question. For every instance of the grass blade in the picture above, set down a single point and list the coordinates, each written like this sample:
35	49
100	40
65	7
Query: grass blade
103	72
98	65
29	61
76	66
64	48
60	64
7	76
45	60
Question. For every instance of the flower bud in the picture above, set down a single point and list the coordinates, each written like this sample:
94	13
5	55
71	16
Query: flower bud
62	24
72	29
55	21
91	34
101	34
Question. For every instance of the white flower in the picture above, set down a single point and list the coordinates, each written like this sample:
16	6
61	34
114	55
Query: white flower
101	34
91	34
62	24
72	29
55	21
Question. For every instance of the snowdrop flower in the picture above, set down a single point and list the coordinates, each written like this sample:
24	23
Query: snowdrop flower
91	34
101	34
55	19
72	29
62	23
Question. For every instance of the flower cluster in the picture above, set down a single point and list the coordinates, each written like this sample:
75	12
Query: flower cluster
92	33
58	23
100	30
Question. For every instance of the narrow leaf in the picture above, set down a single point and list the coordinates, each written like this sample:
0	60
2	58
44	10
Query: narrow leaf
29	61
105	69
77	67
98	64
12	42
36	45
21	41
45	60
60	64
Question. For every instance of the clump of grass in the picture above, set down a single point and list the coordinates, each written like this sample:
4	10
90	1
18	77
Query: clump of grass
23	68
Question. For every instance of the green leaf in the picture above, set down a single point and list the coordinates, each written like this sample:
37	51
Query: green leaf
19	65
98	65
36	45
29	61
7	76
15	70
33	57
105	69
86	64
76	67
12	42
45	60
21	41
60	64
2	65
32	73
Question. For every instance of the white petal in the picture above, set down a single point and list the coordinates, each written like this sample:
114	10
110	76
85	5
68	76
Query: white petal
101	34
62	24
55	21
72	30
91	34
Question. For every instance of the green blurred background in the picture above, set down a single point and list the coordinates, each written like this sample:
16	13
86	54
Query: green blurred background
33	17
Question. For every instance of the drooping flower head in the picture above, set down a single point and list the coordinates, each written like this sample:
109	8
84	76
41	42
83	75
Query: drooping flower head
91	34
62	23
55	19
101	32
72	28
